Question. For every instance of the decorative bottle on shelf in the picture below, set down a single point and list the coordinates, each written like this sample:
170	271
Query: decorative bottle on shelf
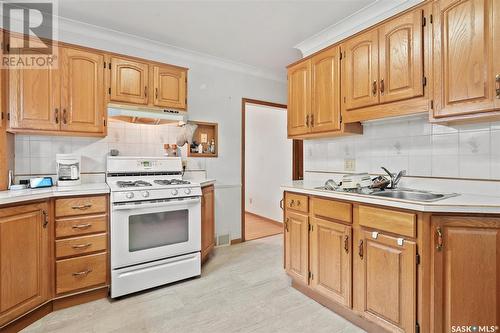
212	146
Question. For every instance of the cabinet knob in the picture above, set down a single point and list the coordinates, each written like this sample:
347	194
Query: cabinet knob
497	85
374	87
439	233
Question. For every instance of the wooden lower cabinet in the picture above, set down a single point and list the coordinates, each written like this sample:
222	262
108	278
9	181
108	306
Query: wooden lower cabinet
42	263
331	260
394	270
465	278
207	221
296	246
386	280
25	260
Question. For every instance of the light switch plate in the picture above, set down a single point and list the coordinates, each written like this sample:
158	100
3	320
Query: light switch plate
349	164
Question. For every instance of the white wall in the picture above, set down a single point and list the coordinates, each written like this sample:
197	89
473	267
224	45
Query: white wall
413	144
268	160
215	90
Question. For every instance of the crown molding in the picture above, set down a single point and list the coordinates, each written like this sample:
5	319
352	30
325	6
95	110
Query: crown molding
77	32
352	24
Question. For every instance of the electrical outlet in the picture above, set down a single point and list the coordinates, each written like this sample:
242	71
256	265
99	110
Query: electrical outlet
350	164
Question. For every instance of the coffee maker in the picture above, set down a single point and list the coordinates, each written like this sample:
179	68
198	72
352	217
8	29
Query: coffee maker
68	169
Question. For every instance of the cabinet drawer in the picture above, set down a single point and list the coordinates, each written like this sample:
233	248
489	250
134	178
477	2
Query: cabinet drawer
81	245
401	223
297	202
82	272
337	210
81	225
81	206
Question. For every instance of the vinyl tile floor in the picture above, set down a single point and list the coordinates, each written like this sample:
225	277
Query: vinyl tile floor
243	288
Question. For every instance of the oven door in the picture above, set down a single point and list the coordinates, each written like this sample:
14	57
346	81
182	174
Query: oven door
153	230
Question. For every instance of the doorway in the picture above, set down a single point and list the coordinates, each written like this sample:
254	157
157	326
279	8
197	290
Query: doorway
267	163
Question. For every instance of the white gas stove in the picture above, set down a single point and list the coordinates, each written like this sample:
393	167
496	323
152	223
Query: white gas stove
155	223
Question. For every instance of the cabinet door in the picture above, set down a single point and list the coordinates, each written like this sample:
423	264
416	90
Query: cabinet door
82	91
299	98
129	81
331	260
296	243
25	269
387	281
34	98
207	221
466	272
169	87
360	71
466	33
401	58
325	71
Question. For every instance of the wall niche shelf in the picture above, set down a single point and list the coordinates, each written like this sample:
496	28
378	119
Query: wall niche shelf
204	134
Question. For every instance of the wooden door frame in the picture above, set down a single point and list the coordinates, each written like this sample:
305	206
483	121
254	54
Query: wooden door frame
244	102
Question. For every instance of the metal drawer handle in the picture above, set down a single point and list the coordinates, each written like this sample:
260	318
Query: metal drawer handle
382	86
83	273
307	121
65	119
57	116
45	218
286	224
281	204
360	250
292	203
346	244
81	246
82	226
82	207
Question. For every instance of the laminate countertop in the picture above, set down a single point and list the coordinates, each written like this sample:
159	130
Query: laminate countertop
207	182
15	196
463	203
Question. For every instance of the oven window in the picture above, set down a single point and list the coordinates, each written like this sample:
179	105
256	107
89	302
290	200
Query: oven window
147	231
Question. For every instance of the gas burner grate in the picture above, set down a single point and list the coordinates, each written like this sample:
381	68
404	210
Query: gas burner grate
171	182
137	183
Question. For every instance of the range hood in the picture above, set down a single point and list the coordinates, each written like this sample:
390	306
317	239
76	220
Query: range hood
144	115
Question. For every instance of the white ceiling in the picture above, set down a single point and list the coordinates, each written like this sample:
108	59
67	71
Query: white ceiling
258	33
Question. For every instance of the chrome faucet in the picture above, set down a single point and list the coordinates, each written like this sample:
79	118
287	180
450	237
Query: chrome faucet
395	178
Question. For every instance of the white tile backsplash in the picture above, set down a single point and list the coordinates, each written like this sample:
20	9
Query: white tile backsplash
35	155
413	144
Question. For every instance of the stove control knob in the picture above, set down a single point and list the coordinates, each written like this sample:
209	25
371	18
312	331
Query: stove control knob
187	191
145	194
175	192
129	195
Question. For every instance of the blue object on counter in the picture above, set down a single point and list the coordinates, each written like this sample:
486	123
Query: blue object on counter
41	182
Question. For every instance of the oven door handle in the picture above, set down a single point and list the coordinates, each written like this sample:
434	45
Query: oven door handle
187	201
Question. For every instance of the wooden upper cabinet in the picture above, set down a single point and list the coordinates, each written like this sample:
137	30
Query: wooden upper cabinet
299	98
466	272
331	260
25	264
169	84
401	58
82	93
386	283
360	71
325	72
129	81
296	246
34	97
466	59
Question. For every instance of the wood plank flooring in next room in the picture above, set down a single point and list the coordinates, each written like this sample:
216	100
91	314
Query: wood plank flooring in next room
259	227
243	288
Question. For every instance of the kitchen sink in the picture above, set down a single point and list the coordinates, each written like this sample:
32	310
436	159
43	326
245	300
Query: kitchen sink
413	195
